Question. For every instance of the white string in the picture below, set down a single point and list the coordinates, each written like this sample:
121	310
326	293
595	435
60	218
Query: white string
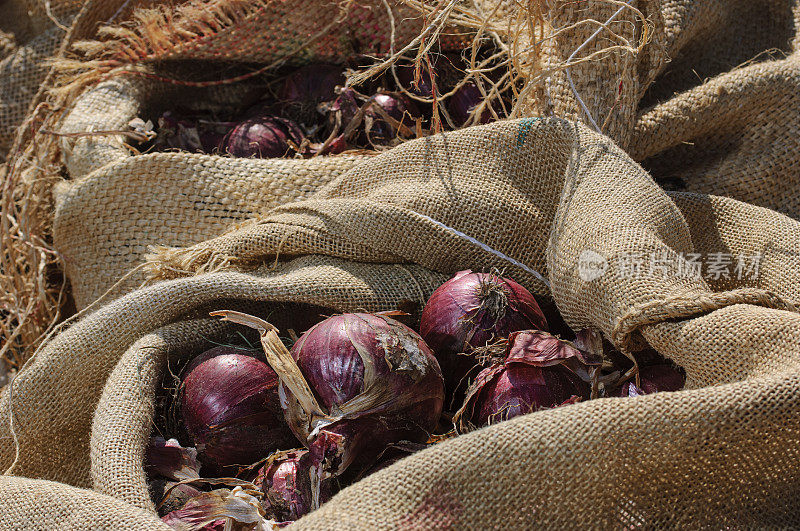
581	47
487	248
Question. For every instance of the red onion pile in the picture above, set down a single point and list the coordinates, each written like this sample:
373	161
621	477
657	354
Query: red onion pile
279	431
470	311
312	111
352	385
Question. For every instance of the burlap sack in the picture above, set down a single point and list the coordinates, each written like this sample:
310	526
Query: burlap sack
542	191
707	456
36	504
30	32
118	203
95	260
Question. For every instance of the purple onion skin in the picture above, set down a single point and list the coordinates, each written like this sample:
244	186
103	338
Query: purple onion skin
655	378
471	310
463	102
167	458
287	487
262	136
231	409
312	84
399	361
174	519
520	389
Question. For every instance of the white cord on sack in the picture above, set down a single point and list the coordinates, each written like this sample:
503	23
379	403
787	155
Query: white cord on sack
487	248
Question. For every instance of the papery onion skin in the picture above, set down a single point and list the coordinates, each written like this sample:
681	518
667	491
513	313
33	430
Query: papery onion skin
176	494
538	373
520	389
472	310
211	511
655	378
287	487
167	458
230	407
397	365
262	136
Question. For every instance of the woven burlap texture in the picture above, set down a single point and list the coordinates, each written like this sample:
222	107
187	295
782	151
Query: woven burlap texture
747	129
41	505
119	204
30	33
542	191
670	459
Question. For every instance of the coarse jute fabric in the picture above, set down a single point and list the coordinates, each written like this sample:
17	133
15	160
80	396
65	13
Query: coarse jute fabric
42	505
747	120
264	31
30	32
543	191
118	203
66	380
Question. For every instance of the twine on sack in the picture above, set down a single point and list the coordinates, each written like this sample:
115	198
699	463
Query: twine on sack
581	47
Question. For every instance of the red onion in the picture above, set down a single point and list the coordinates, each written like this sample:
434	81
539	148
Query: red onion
398	107
461	105
230	407
262	136
538	372
655	378
312	84
472	310
352	385
341	111
167	463
171	495
287	486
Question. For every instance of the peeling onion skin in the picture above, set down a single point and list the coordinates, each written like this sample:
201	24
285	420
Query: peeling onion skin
537	373
397	366
287	487
230	406
471	310
655	378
